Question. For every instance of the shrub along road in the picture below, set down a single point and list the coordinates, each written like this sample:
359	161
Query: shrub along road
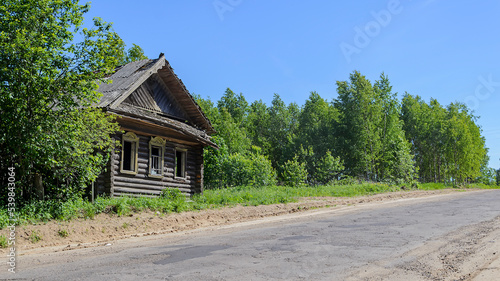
453	236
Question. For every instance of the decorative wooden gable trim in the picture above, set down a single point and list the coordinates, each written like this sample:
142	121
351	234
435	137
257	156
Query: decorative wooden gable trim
153	95
153	69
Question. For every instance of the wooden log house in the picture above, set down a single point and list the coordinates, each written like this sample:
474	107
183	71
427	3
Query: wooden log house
165	132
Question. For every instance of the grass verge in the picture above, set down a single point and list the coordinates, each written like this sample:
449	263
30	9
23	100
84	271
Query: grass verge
173	201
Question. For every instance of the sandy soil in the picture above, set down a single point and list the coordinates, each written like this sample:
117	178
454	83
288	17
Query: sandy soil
105	228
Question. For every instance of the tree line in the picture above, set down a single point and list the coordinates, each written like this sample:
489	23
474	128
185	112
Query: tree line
365	133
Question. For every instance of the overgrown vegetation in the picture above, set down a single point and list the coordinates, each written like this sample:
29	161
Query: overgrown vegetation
63	233
35	236
49	131
174	201
364	133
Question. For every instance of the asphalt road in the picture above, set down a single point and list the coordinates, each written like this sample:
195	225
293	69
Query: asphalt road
338	244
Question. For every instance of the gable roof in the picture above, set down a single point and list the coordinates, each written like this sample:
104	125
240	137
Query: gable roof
130	77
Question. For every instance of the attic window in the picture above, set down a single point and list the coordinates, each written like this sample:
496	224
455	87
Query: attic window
180	163
130	143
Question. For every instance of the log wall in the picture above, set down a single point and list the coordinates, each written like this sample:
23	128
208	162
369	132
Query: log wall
116	184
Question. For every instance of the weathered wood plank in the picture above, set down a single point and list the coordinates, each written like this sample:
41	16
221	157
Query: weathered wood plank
124	193
150	185
132	189
156	182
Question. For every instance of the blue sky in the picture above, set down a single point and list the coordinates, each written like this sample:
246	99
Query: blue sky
447	50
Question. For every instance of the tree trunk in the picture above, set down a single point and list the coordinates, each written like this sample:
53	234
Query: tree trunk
39	190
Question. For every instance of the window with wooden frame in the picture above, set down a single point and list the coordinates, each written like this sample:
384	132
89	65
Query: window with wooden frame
180	162
156	152
130	144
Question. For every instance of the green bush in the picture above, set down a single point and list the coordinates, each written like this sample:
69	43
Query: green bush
248	168
345	180
328	168
172	194
294	173
122	207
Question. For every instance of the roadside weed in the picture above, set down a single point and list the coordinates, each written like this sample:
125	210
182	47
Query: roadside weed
35	236
63	233
3	241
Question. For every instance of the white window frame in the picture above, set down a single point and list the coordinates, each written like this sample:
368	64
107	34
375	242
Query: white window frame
158	143
183	163
134	139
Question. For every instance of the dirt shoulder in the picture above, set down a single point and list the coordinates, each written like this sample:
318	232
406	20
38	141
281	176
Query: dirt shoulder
105	228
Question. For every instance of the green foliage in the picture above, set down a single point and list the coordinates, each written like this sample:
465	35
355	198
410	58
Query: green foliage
447	142
244	195
235	105
488	176
328	168
213	198
236	162
224	169
366	133
251	169
345	180
498	177
279	131
370	133
47	78
4	218
360	116
433	186
3	242
134	53
172	194
316	136
294	173
76	137
122	207
63	233
35	236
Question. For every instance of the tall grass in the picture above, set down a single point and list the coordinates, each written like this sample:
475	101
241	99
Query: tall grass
173	201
